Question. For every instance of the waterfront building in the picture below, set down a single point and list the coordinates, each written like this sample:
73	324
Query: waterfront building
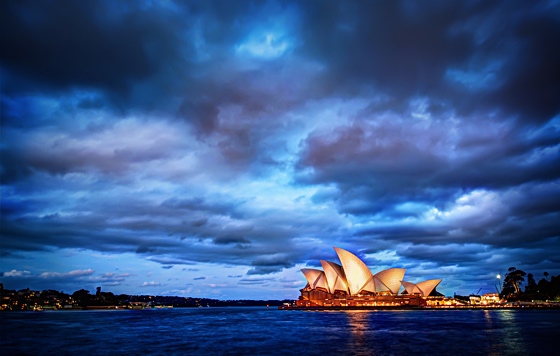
485	299
352	284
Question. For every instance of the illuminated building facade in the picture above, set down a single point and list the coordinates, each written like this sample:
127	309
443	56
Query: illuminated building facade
485	299
352	284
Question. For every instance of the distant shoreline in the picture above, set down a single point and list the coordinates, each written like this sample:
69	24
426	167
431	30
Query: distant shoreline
509	306
127	308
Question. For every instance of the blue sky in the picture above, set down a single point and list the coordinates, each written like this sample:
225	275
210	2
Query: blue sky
214	148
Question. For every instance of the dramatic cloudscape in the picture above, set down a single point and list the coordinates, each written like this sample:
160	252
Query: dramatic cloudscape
214	148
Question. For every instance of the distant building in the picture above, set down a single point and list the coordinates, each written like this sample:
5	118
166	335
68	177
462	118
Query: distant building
485	299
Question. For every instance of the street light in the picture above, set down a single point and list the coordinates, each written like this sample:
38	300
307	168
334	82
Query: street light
499	283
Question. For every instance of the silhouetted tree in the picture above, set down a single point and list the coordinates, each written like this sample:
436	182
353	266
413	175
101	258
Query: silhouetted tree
107	298
555	287
514	279
546	275
531	287
82	297
544	288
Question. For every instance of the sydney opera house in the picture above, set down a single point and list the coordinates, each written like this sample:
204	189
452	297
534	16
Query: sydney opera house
352	284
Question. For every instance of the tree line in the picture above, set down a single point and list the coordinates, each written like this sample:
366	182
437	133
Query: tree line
546	289
27	299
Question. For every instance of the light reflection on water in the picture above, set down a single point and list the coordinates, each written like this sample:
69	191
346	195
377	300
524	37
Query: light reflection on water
359	324
259	331
513	336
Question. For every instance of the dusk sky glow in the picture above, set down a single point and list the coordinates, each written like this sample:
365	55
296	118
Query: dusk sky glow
215	148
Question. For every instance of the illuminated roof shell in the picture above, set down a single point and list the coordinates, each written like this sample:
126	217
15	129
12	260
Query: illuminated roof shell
315	278
336	279
423	288
428	286
411	288
389	280
358	275
370	286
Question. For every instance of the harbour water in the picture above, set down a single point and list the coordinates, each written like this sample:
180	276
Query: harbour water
262	331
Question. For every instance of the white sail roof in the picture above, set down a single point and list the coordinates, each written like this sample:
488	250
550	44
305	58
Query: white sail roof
357	273
428	286
411	288
423	288
389	280
370	286
315	278
335	276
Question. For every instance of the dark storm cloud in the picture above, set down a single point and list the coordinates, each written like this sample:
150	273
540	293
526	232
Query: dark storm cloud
270	264
443	49
132	224
67	281
379	165
449	254
65	44
35	234
226	240
167	75
250	281
536	76
508	221
220	206
399	48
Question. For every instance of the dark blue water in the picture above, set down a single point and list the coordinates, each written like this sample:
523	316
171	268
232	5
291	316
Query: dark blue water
261	331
